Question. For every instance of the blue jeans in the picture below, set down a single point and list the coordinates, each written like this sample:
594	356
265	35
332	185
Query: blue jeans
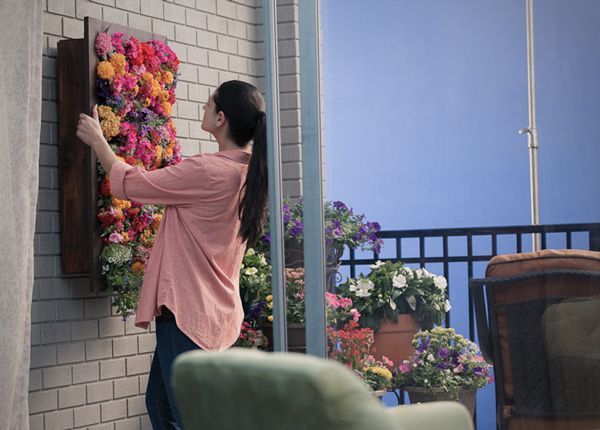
160	400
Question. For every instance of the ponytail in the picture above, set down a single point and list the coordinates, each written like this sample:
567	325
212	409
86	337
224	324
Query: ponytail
243	105
253	205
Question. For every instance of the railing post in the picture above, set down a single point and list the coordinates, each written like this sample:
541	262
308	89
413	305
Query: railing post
595	239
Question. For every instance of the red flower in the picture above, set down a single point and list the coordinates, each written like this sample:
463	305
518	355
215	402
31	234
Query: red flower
105	187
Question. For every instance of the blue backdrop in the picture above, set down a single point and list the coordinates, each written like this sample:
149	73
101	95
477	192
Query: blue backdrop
422	105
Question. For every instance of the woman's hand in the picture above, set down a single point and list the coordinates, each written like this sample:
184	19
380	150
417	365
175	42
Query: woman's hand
88	129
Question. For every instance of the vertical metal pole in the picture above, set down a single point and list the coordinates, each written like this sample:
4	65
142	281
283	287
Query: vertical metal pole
274	166
532	132
312	182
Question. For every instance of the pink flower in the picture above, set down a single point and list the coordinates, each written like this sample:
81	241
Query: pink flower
387	361
404	368
355	314
117	42
103	44
459	369
115	238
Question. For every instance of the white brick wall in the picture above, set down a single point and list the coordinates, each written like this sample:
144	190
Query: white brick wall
89	369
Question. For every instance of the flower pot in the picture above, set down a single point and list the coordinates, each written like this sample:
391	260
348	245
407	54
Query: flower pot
296	336
423	395
394	340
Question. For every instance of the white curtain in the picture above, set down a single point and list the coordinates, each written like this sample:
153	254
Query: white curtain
21	35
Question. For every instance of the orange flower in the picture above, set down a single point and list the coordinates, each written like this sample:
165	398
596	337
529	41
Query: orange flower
168	77
118	62
166	107
137	268
120	204
105	70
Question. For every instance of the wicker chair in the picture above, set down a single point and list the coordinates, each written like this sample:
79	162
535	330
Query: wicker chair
538	322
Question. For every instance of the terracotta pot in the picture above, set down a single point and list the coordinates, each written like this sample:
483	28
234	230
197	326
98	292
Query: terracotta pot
422	395
394	340
296	336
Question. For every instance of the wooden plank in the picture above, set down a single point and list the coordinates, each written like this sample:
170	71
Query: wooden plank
75	216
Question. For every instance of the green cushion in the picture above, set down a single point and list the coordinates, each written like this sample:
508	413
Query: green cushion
244	389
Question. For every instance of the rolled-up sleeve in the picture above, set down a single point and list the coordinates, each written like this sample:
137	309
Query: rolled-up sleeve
182	183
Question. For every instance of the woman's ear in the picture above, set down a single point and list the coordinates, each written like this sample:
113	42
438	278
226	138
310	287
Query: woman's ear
221	119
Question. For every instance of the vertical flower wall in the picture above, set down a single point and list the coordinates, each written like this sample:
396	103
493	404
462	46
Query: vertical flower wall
135	88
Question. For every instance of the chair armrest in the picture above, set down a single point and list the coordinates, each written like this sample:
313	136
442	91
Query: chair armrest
432	416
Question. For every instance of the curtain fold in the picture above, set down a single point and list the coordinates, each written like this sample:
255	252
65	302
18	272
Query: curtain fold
21	37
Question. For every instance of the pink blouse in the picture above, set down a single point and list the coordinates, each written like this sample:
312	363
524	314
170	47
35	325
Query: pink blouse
194	265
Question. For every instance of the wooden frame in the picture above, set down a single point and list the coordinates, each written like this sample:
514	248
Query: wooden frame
78	194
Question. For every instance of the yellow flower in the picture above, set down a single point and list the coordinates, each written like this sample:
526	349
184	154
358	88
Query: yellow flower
105	70
105	112
250	252
147	102
110	128
270	318
169	151
381	371
118	62
270	305
269	298
109	122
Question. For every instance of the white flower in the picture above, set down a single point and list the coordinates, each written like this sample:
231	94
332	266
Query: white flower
263	260
440	282
447	306
362	288
412	302
392	304
430	357
407	270
423	272
250	252
251	270
399	281
377	264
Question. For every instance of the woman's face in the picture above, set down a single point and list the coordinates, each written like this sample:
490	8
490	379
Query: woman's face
211	120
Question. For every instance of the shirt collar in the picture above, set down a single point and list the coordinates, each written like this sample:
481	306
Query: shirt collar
235	155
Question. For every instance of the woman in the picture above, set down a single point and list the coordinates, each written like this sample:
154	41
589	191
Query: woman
215	206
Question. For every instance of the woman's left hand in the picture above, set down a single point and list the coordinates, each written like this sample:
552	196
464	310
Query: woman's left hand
88	128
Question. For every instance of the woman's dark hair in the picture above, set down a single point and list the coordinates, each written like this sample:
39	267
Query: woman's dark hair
243	105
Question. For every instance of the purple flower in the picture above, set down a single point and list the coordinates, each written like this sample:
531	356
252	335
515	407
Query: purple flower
340	206
479	371
442	365
443	353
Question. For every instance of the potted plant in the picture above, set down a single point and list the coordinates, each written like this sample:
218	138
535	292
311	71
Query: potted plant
339	309
395	301
445	366
342	228
352	346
